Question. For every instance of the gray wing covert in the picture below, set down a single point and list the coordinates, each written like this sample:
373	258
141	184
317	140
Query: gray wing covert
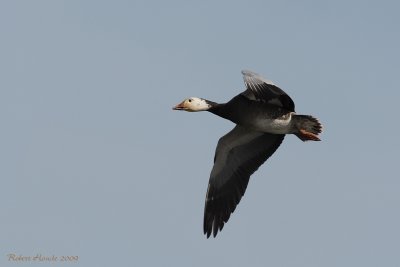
259	88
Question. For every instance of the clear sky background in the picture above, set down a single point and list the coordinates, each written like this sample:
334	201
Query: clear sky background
94	162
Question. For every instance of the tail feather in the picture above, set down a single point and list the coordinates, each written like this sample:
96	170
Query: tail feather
307	127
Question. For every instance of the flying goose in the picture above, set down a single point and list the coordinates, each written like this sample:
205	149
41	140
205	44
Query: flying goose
263	114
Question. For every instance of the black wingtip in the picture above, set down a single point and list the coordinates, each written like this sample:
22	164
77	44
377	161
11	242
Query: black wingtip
208	234
213	231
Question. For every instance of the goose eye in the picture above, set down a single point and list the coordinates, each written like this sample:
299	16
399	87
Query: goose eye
190	100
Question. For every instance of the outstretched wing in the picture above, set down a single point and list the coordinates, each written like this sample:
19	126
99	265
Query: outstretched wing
238	155
259	88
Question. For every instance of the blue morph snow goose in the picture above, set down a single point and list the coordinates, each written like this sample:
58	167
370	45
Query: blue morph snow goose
263	115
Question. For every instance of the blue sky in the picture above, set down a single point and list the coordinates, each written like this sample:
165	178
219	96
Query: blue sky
94	162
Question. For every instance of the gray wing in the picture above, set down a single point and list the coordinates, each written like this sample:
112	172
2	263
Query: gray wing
238	155
259	88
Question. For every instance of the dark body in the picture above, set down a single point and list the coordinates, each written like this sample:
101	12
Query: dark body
243	111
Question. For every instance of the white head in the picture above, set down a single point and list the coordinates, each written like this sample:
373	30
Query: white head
193	104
